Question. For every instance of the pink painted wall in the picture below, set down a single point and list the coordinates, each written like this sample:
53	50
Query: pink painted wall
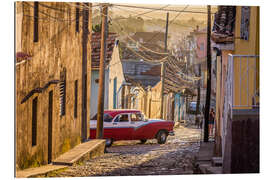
201	45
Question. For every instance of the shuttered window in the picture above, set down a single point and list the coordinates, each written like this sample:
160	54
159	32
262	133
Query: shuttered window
62	87
34	121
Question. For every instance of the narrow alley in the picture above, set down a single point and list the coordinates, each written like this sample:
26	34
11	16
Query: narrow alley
171	89
127	158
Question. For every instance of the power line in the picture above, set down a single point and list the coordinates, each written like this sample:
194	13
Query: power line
138	42
48	15
140	14
163	59
56	9
167	10
170	22
149	60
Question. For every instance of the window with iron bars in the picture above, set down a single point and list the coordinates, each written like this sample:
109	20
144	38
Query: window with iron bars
62	86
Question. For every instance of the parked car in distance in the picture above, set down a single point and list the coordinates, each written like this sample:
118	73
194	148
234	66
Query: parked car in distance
124	124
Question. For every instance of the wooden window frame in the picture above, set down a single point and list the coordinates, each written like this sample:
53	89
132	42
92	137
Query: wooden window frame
34	121
62	86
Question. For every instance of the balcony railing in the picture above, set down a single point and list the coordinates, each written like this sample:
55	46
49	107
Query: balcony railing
242	81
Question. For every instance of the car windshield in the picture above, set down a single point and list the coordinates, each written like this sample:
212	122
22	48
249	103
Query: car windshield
106	117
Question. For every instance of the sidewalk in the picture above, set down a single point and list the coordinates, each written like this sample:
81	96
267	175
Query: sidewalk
205	162
78	154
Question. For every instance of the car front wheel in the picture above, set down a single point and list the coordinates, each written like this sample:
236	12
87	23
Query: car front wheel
161	137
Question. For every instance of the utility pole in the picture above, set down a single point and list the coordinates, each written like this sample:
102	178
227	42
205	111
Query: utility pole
85	33
163	68
208	90
100	110
198	92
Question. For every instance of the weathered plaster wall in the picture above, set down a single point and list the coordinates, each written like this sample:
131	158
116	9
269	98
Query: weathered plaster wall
115	70
59	46
249	66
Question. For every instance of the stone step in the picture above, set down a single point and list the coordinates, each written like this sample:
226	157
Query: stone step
217	161
81	152
32	172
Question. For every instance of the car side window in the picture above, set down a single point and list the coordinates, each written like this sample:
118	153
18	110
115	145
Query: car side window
121	118
136	117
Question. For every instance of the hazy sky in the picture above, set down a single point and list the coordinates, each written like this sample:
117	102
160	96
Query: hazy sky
124	11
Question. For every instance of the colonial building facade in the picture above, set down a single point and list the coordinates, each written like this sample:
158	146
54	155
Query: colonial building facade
52	87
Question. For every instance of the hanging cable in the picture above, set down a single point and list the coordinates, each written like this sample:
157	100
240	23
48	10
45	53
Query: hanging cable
167	10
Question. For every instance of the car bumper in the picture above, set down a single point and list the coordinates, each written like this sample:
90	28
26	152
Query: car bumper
171	133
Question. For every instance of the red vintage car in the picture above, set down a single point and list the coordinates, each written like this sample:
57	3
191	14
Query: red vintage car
125	124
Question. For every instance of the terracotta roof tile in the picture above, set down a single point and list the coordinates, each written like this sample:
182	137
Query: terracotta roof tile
95	45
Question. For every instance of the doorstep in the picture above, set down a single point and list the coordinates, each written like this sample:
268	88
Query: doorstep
31	172
205	162
81	152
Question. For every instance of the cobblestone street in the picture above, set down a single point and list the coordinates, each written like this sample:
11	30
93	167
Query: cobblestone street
131	158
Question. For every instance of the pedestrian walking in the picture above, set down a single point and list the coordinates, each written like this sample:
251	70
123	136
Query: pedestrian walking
211	122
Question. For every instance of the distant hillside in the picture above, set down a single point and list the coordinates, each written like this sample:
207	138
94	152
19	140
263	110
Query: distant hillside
122	22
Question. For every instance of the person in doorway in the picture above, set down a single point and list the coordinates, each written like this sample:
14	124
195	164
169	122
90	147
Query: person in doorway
211	122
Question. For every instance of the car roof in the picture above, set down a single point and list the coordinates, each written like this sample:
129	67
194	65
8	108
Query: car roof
114	112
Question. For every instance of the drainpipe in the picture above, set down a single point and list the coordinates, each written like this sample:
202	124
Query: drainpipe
218	144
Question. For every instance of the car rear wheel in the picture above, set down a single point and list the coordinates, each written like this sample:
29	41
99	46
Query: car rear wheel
143	141
161	137
109	142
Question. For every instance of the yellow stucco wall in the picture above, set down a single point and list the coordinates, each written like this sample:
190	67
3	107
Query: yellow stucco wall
58	47
246	69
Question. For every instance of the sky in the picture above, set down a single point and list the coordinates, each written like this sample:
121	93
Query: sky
162	14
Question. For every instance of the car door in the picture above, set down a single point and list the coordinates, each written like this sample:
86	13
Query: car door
136	120
121	127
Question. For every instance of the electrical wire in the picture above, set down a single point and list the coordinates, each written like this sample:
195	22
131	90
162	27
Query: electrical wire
170	21
163	59
167	10
137	41
149	60
48	15
124	18
141	14
56	9
146	59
